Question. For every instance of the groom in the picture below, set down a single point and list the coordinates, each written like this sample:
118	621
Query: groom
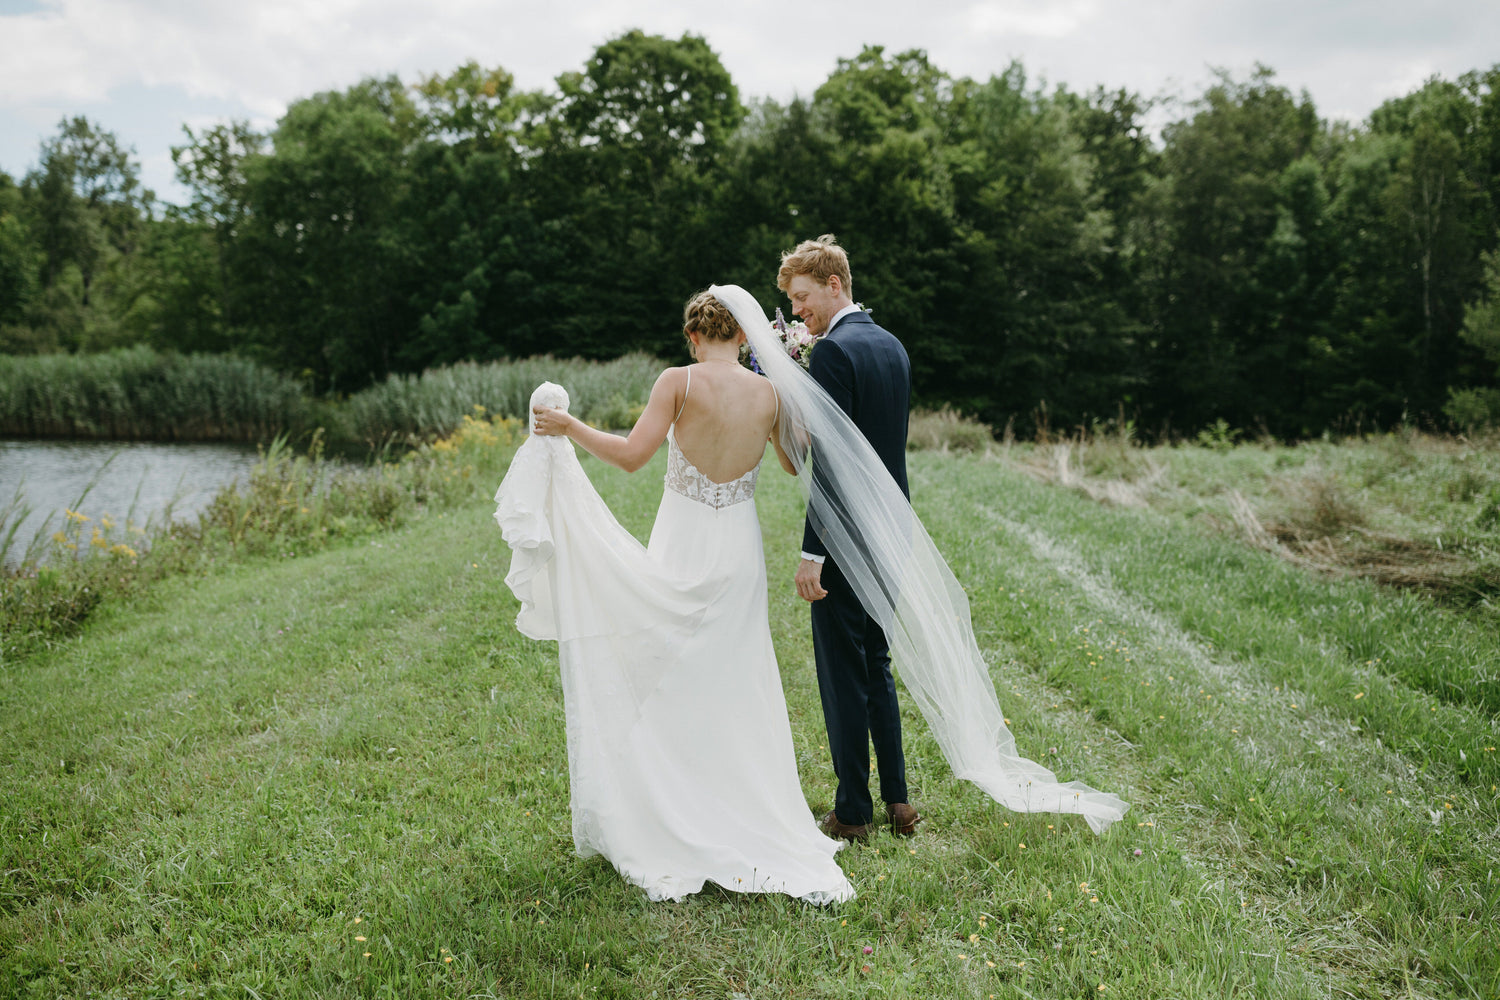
867	373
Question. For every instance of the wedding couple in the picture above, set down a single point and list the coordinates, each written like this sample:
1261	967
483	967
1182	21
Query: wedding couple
679	747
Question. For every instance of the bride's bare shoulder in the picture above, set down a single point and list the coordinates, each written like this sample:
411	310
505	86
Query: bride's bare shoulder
673	377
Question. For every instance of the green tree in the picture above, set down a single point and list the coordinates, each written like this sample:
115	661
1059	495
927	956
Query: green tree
1409	217
468	217
1482	316
1427	194
19	261
1241	278
86	214
1037	327
1033	249
772	180
320	262
1481	404
205	249
89	201
861	159
619	189
887	189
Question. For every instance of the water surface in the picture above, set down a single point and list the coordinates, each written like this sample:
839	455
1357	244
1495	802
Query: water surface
143	482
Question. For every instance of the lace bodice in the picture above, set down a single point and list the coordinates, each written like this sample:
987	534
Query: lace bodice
683	477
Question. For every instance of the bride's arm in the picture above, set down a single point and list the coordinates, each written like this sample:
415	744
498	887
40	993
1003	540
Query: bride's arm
787	464
628	453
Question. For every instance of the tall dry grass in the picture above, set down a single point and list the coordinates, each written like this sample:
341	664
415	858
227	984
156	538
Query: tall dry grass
946	429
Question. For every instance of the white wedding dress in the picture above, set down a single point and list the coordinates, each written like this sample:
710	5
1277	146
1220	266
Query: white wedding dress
679	750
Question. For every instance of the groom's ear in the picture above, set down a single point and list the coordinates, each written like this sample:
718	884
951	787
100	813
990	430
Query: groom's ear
835	284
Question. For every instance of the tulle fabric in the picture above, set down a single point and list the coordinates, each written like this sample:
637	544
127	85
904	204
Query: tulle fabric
680	759
902	580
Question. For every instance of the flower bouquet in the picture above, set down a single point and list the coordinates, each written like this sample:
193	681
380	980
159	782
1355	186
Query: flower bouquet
794	337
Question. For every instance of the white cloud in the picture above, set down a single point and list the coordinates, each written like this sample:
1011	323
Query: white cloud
1041	18
250	58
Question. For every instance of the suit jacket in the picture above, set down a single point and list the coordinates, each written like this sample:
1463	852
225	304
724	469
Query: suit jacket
866	371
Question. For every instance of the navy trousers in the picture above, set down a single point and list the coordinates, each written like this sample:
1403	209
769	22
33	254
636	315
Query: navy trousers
859	700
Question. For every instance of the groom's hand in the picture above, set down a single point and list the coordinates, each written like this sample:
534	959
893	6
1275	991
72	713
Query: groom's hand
810	581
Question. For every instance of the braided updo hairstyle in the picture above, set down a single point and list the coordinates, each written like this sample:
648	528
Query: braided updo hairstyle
705	315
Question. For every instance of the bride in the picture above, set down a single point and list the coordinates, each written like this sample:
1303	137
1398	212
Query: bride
679	750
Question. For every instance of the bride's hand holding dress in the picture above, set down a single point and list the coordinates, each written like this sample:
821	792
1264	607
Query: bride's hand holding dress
629	453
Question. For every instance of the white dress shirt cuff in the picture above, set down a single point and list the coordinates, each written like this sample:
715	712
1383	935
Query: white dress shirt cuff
812	558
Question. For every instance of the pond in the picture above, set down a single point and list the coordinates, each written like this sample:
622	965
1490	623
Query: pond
139	481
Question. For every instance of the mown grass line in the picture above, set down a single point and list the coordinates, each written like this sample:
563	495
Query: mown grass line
1370	656
1333	830
1405	507
207	788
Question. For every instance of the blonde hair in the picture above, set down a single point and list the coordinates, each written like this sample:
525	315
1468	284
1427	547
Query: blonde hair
709	318
819	259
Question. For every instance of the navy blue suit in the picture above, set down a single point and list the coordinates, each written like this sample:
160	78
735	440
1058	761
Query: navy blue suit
868	374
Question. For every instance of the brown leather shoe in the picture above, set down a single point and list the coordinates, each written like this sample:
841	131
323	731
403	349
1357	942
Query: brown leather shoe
843	831
903	817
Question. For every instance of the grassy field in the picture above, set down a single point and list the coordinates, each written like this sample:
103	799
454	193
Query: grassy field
343	774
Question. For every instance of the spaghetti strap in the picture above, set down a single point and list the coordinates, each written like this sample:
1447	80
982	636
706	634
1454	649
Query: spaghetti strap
687	389
778	403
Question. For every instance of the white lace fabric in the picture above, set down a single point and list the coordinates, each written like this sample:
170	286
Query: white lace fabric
684	479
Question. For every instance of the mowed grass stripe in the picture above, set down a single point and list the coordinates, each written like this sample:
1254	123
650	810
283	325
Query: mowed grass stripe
1218	590
1287	802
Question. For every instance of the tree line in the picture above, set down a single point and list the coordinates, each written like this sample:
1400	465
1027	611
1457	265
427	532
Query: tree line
1047	257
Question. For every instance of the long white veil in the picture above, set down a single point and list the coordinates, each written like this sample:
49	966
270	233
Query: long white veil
875	537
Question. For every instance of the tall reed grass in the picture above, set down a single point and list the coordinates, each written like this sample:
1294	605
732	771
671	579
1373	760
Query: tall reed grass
140	394
608	394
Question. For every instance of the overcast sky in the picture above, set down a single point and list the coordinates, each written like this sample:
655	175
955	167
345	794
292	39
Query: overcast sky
143	68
